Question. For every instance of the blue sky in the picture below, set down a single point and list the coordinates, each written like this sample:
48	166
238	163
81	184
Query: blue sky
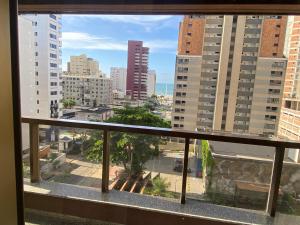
104	37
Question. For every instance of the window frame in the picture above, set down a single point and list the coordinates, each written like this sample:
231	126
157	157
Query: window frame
282	7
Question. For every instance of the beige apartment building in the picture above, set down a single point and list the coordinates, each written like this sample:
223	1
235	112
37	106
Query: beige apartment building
85	83
230	73
82	65
289	125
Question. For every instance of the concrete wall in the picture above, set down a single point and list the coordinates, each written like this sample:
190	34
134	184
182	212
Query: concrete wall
228	170
8	208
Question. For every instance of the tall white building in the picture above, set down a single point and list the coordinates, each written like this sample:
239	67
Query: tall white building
118	76
151	82
27	75
47	53
27	67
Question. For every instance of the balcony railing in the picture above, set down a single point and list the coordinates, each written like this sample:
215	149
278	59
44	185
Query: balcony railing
280	146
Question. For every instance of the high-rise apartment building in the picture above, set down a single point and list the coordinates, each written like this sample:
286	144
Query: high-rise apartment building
289	125
229	73
137	70
27	75
118	78
85	83
27	67
151	82
82	65
47	53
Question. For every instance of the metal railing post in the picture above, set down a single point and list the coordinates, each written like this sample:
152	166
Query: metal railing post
34	152
275	181
185	168
105	164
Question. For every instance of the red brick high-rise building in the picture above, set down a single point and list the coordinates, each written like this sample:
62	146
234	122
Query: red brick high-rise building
137	70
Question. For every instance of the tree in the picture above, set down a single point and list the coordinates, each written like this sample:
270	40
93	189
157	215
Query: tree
95	152
160	186
152	103
134	150
207	159
68	103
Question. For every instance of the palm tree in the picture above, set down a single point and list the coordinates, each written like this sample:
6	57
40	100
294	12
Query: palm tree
160	186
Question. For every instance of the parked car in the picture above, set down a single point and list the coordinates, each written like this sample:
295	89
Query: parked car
178	167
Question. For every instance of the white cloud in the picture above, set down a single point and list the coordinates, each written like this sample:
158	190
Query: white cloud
144	20
157	45
79	40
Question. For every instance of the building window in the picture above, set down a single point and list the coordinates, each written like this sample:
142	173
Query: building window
36	54
52	16
278	25
189	34
52	26
37	102
54	65
35	33
274	54
53	74
275	44
37	92
36	63
187	52
37	83
53	92
36	73
278	64
183	69
53	55
53	46
276	35
53	83
53	36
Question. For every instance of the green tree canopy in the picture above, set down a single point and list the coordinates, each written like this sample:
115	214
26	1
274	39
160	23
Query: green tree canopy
68	103
138	116
133	150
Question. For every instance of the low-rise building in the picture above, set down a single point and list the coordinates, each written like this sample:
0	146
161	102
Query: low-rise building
88	90
88	114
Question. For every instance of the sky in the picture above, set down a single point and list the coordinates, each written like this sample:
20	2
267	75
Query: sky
105	37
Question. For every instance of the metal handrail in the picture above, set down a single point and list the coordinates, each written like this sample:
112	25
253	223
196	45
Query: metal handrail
279	145
213	136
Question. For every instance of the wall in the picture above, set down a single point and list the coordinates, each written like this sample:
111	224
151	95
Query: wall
229	169
8	208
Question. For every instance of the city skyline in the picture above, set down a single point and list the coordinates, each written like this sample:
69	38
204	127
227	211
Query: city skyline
106	45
